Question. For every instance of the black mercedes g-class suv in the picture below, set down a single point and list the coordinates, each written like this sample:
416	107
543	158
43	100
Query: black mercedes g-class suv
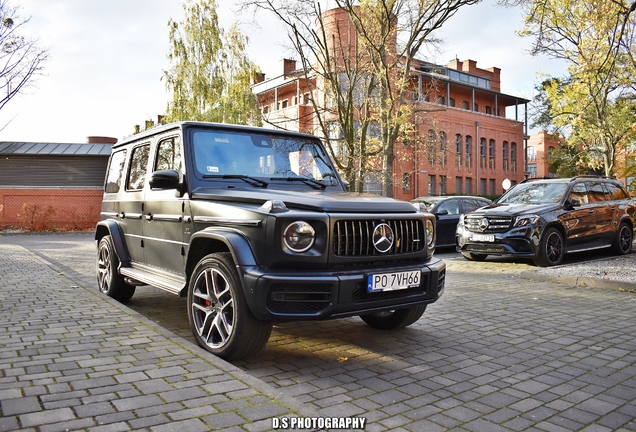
544	219
255	226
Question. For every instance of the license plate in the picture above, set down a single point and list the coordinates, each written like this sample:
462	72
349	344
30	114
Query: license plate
393	281
483	238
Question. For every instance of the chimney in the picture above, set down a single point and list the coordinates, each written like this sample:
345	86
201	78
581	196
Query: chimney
149	124
288	66
100	140
259	77
160	120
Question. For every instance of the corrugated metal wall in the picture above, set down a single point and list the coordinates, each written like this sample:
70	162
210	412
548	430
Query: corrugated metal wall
60	171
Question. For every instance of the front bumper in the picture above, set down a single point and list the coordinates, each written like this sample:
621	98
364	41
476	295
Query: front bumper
521	242
323	295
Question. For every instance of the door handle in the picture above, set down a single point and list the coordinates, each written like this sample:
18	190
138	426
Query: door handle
149	217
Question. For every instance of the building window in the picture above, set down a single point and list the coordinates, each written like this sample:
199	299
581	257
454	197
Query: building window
532	154
491	154
513	157
431	147
469	185
475	107
482	186
406	182
336	139
431	185
551	155
505	156
372	183
465	105
469	150
285	103
442	148
307	99
482	153
458	150
442	185
458	185
441	100
488	110
491	186
451	102
265	109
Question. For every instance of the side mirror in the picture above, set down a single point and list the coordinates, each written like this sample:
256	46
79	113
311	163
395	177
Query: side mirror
575	202
164	179
441	213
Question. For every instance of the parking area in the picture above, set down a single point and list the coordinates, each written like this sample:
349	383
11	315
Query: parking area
497	352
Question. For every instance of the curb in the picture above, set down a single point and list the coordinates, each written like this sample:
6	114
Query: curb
581	281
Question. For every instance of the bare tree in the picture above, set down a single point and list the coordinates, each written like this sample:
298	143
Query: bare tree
365	78
21	58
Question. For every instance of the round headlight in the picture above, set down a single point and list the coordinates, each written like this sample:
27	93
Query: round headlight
299	236
430	233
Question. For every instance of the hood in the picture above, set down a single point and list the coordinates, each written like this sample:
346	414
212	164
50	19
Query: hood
516	209
308	200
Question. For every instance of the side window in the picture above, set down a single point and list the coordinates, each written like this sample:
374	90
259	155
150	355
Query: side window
596	192
579	191
169	155
138	165
470	205
451	205
615	192
115	172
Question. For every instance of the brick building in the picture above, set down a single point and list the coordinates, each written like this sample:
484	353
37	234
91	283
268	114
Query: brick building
469	145
52	185
540	145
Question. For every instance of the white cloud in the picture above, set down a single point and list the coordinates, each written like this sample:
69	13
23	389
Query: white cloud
107	58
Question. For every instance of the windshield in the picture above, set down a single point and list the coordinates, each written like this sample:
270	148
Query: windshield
535	193
219	153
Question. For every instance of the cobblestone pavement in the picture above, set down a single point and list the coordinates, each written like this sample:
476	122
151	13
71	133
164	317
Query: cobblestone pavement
71	359
498	352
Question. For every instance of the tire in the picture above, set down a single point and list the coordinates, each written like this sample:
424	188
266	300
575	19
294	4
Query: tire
109	281
623	241
220	319
474	257
551	249
395	319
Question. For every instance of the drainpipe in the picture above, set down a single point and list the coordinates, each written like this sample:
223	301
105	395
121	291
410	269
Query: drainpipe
477	159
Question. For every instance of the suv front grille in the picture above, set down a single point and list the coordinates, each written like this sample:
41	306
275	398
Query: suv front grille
355	237
496	224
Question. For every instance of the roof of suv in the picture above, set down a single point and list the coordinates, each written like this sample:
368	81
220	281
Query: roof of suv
174	125
566	179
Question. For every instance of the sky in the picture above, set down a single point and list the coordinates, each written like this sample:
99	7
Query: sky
107	58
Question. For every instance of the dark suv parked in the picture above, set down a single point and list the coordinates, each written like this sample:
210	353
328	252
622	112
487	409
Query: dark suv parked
544	219
255	226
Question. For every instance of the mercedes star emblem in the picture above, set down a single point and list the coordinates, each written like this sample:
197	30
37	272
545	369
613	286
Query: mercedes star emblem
382	238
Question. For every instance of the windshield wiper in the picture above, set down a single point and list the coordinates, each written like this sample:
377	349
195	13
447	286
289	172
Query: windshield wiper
311	182
251	180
